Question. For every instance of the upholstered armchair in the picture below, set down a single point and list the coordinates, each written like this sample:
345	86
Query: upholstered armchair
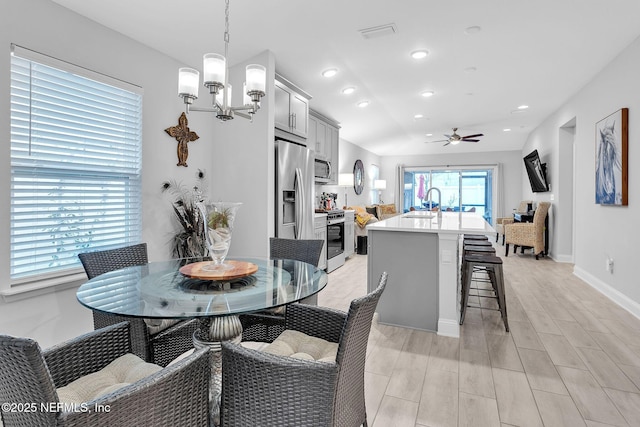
528	234
95	380
502	221
154	340
311	375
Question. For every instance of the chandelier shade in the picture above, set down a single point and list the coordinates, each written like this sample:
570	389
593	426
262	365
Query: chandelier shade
214	69
256	78
188	82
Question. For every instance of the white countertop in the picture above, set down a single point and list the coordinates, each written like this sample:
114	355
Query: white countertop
427	222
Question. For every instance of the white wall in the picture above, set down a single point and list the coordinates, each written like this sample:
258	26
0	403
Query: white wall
511	162
600	231
45	27
243	166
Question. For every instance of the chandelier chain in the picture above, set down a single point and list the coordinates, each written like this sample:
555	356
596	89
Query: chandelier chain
226	28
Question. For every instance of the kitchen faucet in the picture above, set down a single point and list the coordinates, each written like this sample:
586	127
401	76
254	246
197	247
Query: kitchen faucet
439	200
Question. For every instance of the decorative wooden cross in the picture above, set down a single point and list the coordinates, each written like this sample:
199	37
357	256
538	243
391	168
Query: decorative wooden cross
184	136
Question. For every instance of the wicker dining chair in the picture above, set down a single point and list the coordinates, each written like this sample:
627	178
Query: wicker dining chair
528	234
154	341
31	379
264	389
268	324
299	249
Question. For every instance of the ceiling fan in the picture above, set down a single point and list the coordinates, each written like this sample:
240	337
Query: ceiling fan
456	139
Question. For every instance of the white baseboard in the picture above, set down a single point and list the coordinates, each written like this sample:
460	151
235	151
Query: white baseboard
563	258
448	328
613	294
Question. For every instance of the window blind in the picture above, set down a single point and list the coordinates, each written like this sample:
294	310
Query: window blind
75	168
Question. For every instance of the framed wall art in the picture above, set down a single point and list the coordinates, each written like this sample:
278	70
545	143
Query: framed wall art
612	170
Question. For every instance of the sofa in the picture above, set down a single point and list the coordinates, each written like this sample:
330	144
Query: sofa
366	215
386	211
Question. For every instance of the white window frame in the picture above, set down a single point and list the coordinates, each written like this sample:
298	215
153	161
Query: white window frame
495	200
109	169
375	174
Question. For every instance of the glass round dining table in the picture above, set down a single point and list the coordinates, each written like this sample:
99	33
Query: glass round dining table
160	290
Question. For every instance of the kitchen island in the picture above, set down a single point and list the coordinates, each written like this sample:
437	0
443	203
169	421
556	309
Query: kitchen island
419	250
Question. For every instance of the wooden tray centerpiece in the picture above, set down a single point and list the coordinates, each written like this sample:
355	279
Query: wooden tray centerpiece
240	269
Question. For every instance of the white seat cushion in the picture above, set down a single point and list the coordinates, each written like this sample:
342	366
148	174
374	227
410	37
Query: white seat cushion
121	372
158	325
302	346
182	356
254	345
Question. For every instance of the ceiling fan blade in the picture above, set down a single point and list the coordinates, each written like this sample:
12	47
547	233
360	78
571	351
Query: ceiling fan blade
448	142
440	140
448	136
471	140
472	136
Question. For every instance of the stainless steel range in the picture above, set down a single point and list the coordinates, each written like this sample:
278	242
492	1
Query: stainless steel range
335	239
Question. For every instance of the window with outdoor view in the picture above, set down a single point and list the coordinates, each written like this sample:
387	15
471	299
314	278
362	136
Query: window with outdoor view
463	189
75	165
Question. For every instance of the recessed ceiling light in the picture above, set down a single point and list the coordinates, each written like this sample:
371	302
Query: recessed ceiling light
419	54
330	72
362	104
429	134
506	130
427	93
472	30
348	90
523	107
418	116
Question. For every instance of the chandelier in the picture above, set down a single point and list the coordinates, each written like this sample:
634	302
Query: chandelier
215	78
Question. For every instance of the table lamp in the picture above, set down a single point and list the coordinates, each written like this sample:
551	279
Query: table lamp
345	180
380	184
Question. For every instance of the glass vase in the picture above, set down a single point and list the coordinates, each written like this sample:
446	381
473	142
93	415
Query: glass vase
218	219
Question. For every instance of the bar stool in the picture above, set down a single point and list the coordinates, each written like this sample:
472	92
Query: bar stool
469	249
476	246
478	249
477	242
475	237
493	266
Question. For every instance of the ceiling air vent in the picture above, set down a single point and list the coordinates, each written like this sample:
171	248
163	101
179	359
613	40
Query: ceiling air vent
379	31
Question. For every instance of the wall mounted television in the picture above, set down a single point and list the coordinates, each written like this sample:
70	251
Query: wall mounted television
537	172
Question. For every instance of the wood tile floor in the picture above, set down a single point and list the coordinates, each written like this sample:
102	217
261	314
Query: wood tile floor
572	357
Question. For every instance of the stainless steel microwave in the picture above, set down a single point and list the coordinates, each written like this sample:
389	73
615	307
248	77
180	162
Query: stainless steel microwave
322	171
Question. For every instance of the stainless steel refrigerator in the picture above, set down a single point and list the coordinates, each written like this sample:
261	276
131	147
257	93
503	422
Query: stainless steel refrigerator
294	190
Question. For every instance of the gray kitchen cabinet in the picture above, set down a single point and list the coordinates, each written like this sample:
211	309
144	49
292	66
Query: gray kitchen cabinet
323	138
291	108
349	233
320	232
